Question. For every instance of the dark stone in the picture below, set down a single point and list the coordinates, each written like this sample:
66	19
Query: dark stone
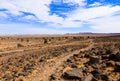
94	72
55	54
74	66
75	55
42	59
99	75
110	63
104	57
28	67
53	77
112	57
103	77
94	59
92	49
74	74
117	67
108	51
100	53
22	74
115	57
87	56
21	79
118	56
70	60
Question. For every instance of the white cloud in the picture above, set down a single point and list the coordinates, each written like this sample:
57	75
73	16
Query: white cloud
106	24
71	2
29	17
96	15
39	8
79	2
94	12
95	4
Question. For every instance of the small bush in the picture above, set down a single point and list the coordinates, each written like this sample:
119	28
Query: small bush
22	40
45	41
27	40
19	45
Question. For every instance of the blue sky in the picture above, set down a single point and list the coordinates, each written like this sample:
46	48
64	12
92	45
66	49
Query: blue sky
59	16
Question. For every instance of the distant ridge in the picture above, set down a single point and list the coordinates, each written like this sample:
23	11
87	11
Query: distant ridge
90	33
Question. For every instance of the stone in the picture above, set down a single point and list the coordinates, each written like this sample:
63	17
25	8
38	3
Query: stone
99	75
108	51
28	67
104	57
110	64
117	66
7	76
70	60
89	78
53	77
112	57
75	55
118	57
22	74
115	57
87	56
94	59
74	74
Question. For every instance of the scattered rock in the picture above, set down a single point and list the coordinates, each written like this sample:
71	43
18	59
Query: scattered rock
22	74
94	59
117	67
110	64
74	74
28	67
7	76
118	57
108	51
74	66
53	77
112	57
87	55
75	55
104	57
100	75
70	60
89	78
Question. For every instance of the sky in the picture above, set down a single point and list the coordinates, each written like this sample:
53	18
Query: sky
59	16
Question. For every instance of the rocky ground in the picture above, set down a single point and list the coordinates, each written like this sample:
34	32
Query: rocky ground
99	63
94	59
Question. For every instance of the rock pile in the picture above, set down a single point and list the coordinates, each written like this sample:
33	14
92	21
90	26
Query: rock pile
99	63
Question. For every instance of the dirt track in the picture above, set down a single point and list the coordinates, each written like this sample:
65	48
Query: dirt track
53	64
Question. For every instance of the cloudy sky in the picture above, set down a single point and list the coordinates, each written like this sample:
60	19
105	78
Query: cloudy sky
59	16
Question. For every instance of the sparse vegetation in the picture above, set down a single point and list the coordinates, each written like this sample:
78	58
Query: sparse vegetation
45	40
20	45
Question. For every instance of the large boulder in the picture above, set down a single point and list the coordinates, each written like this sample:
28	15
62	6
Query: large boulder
99	75
74	73
89	78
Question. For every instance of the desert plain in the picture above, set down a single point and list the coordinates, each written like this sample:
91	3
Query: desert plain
60	58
